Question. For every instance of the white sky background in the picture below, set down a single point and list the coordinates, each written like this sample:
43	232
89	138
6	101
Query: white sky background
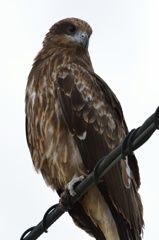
124	49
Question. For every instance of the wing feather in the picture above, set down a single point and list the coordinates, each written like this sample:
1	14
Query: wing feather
94	116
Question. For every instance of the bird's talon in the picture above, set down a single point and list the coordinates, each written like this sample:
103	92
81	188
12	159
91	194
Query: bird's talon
72	183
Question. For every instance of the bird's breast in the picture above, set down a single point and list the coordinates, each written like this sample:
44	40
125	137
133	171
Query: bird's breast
54	150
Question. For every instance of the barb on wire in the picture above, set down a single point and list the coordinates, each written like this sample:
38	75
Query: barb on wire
135	139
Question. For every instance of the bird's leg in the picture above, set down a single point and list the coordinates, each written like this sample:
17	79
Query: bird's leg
65	197
72	183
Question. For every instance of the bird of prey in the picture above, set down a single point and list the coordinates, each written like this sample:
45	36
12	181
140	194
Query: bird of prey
73	119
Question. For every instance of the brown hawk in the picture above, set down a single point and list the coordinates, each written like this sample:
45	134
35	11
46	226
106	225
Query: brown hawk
73	119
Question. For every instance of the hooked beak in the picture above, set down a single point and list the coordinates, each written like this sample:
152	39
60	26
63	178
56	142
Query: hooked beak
82	38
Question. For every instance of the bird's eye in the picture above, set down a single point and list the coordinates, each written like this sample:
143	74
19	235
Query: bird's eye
71	29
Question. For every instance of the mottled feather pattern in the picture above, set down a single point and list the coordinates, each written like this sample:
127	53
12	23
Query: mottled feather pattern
47	133
87	104
72	120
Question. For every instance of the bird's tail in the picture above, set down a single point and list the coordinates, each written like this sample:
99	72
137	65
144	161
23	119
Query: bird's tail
124	230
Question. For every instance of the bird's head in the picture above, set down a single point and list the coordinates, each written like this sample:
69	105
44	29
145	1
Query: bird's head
69	32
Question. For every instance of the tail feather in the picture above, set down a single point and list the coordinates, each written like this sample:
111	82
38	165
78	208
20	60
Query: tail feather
83	221
124	230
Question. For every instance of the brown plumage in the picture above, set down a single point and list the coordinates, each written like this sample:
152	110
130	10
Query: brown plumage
72	120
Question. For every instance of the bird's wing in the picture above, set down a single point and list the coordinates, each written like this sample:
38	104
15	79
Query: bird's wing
94	116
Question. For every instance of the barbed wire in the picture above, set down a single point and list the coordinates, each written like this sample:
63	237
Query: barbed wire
135	139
